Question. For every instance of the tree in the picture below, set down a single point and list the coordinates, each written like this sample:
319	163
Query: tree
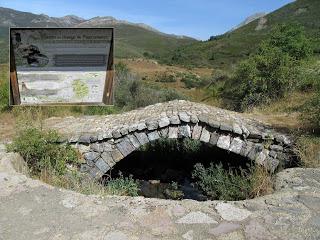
291	39
271	72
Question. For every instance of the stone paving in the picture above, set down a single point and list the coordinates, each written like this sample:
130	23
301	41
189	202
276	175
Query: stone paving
105	140
30	209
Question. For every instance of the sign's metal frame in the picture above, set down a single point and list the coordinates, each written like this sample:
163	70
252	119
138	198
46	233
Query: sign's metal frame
107	99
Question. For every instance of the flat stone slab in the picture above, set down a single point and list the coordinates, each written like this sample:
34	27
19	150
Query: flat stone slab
31	209
197	218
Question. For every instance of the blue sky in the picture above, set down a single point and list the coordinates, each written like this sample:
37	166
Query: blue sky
199	19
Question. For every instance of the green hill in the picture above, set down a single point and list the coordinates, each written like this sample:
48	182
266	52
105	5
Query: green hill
132	40
229	48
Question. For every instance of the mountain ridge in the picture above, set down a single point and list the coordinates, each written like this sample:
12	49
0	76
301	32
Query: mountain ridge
69	21
228	49
133	40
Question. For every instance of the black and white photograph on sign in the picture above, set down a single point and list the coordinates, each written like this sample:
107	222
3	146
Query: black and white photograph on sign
61	65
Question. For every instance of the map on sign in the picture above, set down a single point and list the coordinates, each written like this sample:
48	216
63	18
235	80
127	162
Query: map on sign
61	65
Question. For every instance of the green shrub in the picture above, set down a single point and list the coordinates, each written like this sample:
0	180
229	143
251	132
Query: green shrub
123	186
4	88
309	75
193	81
41	150
291	39
217	183
95	110
166	78
131	92
232	185
271	72
311	111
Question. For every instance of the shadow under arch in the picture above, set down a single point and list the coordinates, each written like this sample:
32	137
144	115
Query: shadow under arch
160	163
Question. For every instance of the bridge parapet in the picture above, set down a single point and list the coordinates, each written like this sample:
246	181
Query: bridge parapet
105	140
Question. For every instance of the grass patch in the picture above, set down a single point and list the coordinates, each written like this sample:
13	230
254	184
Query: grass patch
308	149
58	165
232	184
41	151
122	186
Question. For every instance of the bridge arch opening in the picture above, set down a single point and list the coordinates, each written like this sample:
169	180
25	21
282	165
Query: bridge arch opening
165	168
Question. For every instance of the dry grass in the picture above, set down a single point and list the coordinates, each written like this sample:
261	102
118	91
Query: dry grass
74	181
150	70
262	182
308	149
284	113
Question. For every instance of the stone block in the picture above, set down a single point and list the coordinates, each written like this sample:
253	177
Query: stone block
96	147
84	168
175	120
246	148
204	118
153	136
236	128
224	142
272	164
273	154
205	135
141	126
283	139
86	138
125	147
124	130
224	126
214	123
102	165
277	148
164	122
106	156
107	147
261	157
133	127
184	117
152	125
142	137
173	132
90	163
116	155
135	142
255	133
91	156
214	138
100	135
184	131
107	134
164	132
236	145
255	150
245	131
116	133
73	139
194	119
196	132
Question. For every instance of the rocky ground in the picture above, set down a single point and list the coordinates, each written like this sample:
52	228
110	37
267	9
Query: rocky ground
30	209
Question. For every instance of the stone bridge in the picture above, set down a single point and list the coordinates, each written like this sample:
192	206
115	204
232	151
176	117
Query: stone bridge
105	140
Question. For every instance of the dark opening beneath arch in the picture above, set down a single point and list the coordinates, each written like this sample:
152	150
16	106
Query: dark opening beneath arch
167	165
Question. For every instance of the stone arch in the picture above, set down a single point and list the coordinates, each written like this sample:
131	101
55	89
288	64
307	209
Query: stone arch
260	144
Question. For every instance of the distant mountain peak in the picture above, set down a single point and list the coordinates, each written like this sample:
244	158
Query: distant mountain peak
249	20
11	17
